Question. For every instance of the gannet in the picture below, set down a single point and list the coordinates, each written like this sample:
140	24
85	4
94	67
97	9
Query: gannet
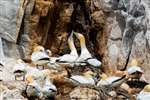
39	56
112	81
49	89
69	58
135	71
144	94
33	89
86	78
44	88
85	55
19	70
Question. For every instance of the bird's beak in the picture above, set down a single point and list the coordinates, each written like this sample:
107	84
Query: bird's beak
80	37
76	34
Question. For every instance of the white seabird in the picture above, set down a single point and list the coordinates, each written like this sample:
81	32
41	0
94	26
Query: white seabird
44	88
69	58
39	56
85	55
49	89
33	89
135	72
144	94
87	78
19	70
112	81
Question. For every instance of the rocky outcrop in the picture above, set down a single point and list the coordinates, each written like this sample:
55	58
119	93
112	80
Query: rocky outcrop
130	31
107	25
49	22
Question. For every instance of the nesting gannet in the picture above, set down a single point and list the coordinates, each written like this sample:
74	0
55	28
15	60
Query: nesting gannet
85	55
69	58
40	81
112	81
39	56
33	89
49	89
135	71
144	94
19	70
87	78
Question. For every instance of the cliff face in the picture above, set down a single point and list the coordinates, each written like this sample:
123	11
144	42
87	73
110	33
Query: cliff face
129	31
116	31
49	22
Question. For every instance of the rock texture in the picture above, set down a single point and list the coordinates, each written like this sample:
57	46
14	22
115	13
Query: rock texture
105	25
118	50
116	31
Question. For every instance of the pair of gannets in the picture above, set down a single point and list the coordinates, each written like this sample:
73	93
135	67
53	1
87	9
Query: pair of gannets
144	94
39	85
69	58
85	56
112	81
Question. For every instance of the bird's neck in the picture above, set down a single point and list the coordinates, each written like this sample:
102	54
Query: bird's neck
84	49
72	47
82	42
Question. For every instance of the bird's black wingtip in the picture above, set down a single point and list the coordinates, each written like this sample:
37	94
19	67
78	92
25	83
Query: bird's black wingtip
1	64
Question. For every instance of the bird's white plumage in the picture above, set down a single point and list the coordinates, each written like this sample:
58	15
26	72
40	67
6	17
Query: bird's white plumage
48	89
143	96
33	89
108	81
68	58
73	54
20	67
85	54
94	62
49	84
134	69
53	60
43	87
40	58
83	79
38	55
103	82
